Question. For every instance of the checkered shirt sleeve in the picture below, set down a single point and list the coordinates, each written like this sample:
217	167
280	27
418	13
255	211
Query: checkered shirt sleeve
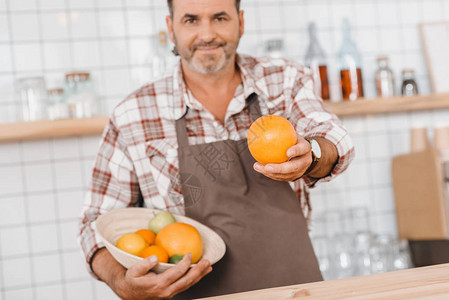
311	118
114	185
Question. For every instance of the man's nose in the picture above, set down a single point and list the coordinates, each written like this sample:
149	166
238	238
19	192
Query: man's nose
207	32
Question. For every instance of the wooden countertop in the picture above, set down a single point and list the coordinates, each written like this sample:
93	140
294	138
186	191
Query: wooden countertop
419	283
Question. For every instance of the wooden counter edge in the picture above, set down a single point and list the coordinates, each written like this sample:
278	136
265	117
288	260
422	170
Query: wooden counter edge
12	132
418	283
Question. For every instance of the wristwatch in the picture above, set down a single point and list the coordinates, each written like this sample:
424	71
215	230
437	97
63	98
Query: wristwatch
316	154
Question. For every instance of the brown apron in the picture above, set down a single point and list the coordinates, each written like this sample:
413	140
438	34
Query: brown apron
260	219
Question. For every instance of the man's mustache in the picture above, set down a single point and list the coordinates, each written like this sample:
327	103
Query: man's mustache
207	44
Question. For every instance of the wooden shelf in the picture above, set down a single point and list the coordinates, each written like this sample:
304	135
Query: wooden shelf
385	105
12	132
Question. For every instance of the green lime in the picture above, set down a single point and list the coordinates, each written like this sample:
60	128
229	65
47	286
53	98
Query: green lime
175	258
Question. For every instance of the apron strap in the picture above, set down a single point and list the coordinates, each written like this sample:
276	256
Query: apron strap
254	107
181	130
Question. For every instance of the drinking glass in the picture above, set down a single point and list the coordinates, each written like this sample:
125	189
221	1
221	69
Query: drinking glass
419	140
381	254
33	98
401	258
322	252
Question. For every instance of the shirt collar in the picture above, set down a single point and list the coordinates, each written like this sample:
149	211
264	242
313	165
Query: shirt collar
183	99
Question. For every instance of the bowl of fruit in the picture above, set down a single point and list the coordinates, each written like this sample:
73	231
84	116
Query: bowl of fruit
134	233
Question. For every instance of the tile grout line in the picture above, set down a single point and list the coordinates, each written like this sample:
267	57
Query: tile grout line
57	220
27	221
11	44
99	81
40	28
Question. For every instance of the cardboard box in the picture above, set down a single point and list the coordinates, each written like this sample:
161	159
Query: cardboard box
421	209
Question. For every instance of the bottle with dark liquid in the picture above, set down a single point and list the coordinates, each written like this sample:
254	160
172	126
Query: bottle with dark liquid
316	60
409	86
350	70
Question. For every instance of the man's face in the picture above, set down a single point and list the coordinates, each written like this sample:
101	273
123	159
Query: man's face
206	33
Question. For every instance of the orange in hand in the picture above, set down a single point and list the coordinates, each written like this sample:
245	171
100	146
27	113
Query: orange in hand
147	235
181	238
161	254
269	138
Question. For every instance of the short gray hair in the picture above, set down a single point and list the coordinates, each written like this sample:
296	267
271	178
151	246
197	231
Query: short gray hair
170	6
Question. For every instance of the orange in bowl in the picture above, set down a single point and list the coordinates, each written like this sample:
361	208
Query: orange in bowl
147	235
131	243
161	254
269	138
181	238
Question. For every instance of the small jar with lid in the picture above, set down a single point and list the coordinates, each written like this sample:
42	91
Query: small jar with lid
409	86
384	78
81	97
57	106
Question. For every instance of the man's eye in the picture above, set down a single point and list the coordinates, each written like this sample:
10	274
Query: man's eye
190	21
220	19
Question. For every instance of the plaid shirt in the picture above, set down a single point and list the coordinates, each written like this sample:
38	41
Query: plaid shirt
138	152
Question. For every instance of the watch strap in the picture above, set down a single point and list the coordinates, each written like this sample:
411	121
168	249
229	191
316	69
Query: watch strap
314	159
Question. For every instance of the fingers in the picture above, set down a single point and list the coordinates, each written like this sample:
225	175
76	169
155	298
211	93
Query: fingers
301	148
143	267
287	171
192	277
300	159
139	283
176	272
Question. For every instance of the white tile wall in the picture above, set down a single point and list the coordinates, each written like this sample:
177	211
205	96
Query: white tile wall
52	4
53	291
4	28
54	25
80	290
43	182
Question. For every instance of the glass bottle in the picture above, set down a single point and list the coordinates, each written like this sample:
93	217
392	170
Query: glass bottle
384	78
409	86
80	95
274	48
350	71
162	59
316	60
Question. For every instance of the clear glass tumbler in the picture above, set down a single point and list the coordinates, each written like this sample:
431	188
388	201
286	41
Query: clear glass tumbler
33	98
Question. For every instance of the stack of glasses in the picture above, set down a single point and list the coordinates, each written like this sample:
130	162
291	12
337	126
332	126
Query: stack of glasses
346	247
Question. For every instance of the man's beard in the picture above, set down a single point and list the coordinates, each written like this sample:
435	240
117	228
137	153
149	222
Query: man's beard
209	63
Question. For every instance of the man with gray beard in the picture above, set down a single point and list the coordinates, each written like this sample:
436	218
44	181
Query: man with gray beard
188	129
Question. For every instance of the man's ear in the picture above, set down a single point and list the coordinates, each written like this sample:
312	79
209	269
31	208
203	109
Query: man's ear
242	22
169	22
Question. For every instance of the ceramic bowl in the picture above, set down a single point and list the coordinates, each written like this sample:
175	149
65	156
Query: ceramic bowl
115	223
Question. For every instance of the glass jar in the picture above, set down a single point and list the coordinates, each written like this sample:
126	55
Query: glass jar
409	86
81	98
57	106
316	60
384	78
274	48
33	98
163	58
